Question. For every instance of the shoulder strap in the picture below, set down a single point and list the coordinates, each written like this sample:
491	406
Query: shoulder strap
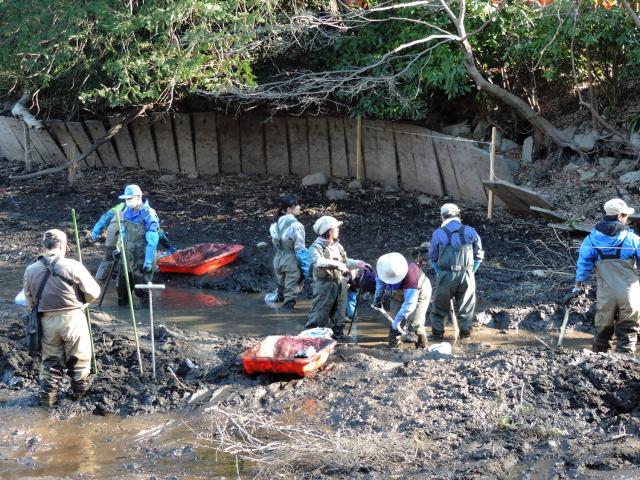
459	231
47	274
603	256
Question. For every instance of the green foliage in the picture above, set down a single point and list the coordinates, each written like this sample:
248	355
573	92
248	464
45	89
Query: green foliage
99	52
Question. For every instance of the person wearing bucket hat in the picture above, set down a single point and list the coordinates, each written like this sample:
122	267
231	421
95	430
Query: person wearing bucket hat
140	227
455	254
61	287
613	250
410	295
330	266
291	260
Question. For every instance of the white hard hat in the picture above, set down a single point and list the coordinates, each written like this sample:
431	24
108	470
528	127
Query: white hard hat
449	209
131	191
392	268
616	206
323	224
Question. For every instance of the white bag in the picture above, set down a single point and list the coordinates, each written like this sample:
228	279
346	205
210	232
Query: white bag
271	297
20	299
317	332
443	348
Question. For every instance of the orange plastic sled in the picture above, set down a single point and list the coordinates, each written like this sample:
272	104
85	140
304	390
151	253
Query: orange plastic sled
275	354
200	259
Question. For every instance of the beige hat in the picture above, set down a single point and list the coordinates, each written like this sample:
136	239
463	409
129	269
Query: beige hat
54	235
616	206
392	268
449	209
323	224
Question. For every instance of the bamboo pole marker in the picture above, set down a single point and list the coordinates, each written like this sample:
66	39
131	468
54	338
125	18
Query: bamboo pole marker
358	146
492	163
87	314
28	162
126	278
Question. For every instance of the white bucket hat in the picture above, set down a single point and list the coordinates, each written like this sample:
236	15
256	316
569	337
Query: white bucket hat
392	267
325	223
449	209
616	206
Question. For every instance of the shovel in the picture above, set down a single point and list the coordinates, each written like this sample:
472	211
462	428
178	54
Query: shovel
454	321
149	287
388	317
567	310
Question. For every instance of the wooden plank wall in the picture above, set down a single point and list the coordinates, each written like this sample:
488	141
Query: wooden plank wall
394	154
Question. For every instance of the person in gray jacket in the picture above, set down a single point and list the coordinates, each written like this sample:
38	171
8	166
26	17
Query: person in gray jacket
330	267
65	334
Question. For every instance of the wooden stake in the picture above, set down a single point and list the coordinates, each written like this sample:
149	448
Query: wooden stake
358	146
28	163
492	163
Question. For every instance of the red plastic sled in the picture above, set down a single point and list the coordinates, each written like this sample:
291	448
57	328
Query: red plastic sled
275	354
200	259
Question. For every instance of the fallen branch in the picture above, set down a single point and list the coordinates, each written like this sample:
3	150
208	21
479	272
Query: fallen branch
108	136
21	111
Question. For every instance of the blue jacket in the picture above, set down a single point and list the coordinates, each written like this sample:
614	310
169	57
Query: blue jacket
148	217
608	238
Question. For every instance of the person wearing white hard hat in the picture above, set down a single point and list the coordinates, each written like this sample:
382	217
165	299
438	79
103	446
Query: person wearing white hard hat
291	260
455	254
613	250
60	287
330	266
410	294
140	235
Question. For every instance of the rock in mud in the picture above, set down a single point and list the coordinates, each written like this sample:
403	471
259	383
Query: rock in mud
333	194
318	178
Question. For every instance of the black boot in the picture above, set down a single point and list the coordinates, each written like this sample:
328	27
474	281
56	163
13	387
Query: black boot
394	338
48	398
80	388
422	341
288	305
338	334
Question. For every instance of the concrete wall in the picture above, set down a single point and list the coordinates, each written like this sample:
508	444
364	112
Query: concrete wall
397	154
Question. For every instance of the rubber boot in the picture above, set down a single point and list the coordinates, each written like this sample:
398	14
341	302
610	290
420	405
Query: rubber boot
338	334
80	388
288	305
422	341
394	338
48	398
465	334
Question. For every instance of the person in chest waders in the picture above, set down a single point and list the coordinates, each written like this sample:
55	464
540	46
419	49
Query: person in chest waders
291	260
455	254
613	250
140	230
109	221
410	294
63	287
330	267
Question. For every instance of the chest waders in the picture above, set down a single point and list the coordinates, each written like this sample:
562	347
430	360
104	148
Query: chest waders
618	302
330	291
285	265
455	281
135	245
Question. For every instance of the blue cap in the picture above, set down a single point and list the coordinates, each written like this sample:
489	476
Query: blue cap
131	191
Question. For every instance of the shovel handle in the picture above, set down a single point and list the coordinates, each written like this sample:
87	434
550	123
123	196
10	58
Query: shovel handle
388	317
567	311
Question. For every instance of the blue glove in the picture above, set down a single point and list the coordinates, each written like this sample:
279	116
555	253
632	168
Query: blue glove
304	261
476	265
94	236
435	266
172	249
116	255
147	267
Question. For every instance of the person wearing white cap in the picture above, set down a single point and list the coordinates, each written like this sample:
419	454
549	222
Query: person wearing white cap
613	250
330	267
140	235
410	294
60	287
455	254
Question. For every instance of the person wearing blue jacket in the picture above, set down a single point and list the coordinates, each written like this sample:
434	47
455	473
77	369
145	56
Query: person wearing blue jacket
140	235
109	222
613	250
455	254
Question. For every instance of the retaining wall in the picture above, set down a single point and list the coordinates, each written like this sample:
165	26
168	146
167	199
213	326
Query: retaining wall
397	154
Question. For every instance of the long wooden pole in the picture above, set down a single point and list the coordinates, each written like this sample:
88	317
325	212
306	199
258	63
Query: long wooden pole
125	265
358	146
87	314
492	163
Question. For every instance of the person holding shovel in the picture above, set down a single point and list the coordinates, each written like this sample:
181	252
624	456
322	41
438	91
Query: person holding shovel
109	222
410	295
291	260
613	250
140	235
61	287
455	254
330	267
